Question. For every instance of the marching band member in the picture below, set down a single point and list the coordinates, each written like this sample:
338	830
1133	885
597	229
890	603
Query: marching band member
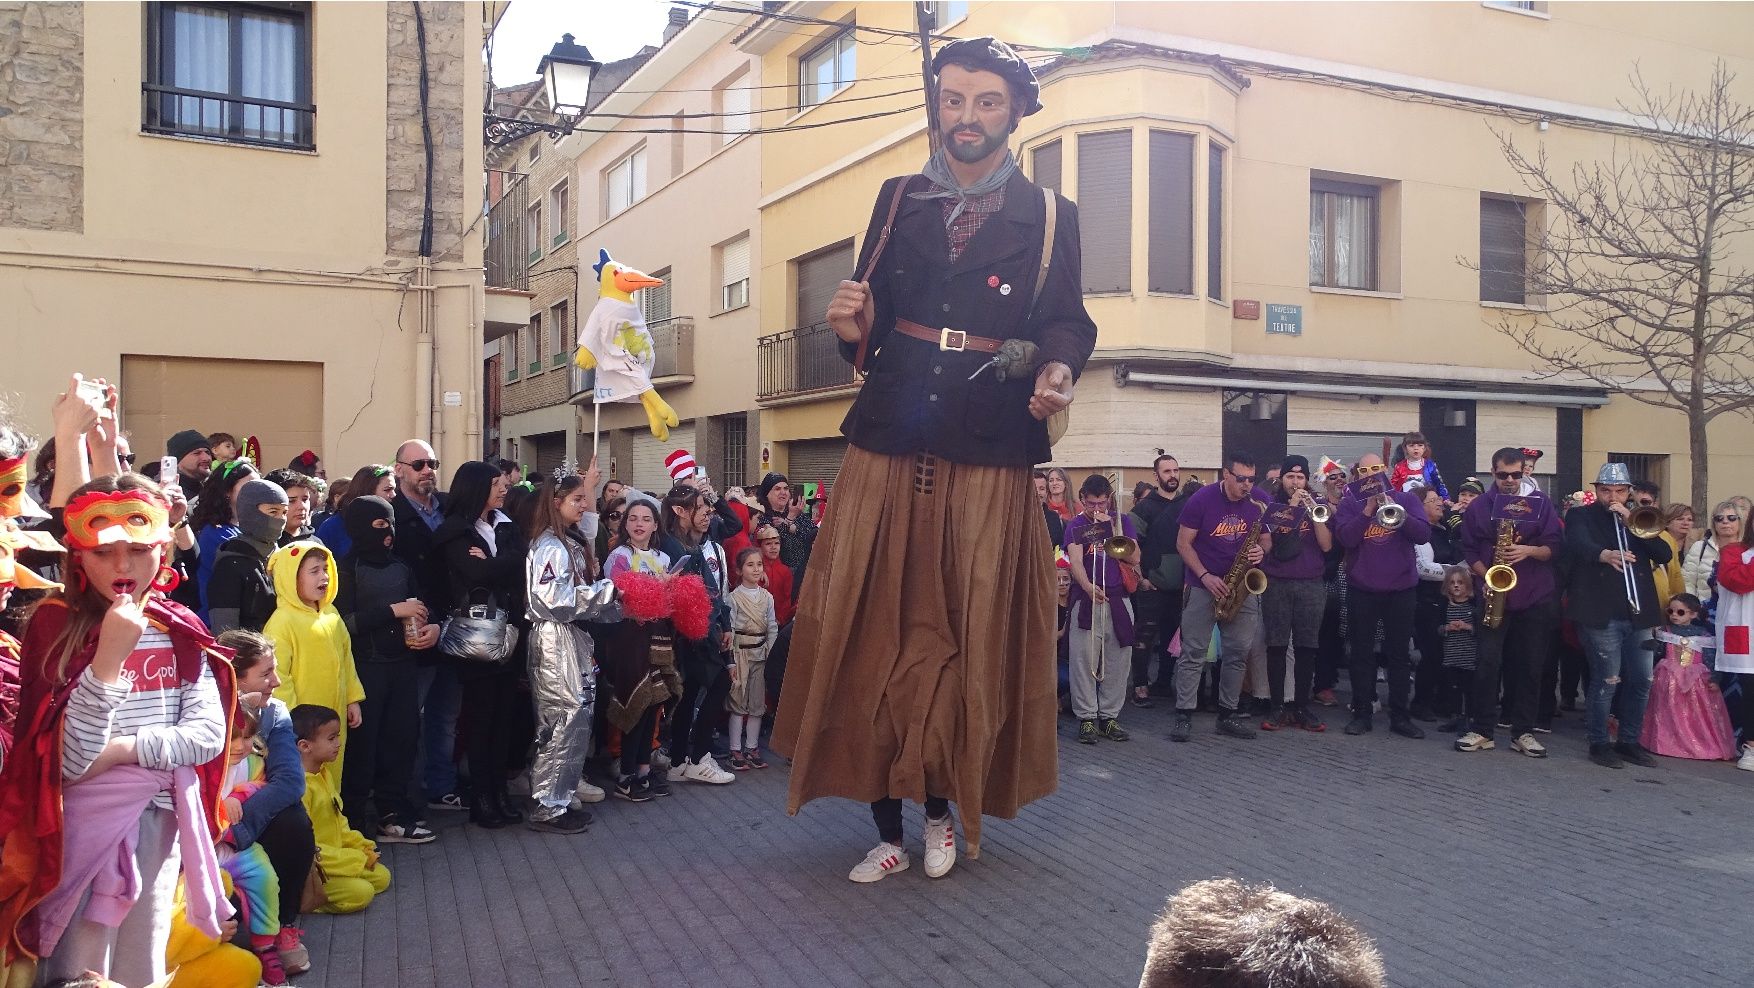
1382	574
1102	629
1215	528
1295	598
1506	526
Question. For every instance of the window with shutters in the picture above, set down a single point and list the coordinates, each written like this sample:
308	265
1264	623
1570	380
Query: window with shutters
1170	212
655	302
1105	210
819	274
1045	164
828	67
1343	227
230	72
1215	221
557	212
731	100
734	274
1504	250
560	333
624	183
734	458
533	230
508	349
533	345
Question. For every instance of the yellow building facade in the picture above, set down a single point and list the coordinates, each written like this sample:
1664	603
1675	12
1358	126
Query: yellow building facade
224	208
1283	208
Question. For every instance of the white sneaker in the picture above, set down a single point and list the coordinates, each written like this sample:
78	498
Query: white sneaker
884	860
677	773
1746	762
706	770
940	846
587	793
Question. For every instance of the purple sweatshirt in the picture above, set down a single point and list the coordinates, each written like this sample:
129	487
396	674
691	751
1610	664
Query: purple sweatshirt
1308	563
1091	535
1379	560
1220	526
1535	579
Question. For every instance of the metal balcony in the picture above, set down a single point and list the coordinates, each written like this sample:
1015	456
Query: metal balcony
800	362
673	348
508	236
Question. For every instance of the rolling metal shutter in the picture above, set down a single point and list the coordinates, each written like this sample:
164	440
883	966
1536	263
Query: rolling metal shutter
1170	265
818	277
1046	161
645	468
814	461
1105	210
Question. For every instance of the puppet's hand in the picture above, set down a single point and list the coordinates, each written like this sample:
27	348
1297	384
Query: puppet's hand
584	360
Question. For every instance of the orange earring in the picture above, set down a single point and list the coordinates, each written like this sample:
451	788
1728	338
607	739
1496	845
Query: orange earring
166	580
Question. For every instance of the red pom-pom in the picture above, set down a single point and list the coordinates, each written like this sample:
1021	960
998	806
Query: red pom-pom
689	606
643	596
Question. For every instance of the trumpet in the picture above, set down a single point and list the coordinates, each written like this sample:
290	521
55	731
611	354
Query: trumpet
1391	515
1319	511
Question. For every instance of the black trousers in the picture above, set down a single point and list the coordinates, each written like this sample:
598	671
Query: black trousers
1394	610
291	846
1169	621
887	814
776	671
1458	686
490	695
1303	673
636	745
1332	650
1428	683
1574	673
1520	648
378	771
1147	637
691	733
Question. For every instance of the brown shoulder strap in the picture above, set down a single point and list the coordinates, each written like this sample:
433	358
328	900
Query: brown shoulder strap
871	265
1047	248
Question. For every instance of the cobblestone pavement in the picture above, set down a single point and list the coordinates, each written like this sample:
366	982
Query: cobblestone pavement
1486	869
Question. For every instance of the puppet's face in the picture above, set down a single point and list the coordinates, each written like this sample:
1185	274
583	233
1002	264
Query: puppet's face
974	113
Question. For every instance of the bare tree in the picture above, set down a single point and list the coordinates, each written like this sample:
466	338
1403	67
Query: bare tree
1644	261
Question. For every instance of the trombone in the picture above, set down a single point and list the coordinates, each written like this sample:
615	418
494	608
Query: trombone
1126	552
1643	523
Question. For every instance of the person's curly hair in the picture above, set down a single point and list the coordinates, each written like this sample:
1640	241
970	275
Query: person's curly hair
1224	934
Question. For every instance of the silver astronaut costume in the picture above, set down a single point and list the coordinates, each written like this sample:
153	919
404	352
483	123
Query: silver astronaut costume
563	667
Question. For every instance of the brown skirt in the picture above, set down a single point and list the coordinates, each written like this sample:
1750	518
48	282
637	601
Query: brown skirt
922	659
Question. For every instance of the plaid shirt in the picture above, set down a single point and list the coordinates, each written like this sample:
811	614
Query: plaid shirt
973	214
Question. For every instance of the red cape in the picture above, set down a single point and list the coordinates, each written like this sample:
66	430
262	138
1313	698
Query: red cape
30	787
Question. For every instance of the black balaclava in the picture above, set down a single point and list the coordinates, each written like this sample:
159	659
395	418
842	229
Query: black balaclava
262	531
370	543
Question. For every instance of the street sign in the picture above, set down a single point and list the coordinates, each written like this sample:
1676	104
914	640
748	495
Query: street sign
1245	308
1286	320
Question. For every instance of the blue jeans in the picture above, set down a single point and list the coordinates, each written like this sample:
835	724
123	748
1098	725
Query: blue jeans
1618	660
440	699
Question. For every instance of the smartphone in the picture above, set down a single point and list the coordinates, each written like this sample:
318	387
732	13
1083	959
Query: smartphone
93	392
167	471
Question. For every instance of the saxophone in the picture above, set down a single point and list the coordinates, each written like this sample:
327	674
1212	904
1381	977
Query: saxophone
1500	578
1242	577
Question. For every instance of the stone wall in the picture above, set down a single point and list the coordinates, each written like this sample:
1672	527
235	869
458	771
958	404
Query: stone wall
533	391
405	156
42	115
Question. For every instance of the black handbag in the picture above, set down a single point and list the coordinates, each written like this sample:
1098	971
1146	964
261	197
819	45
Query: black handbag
479	630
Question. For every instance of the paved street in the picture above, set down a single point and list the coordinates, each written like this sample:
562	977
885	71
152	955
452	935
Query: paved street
1488	869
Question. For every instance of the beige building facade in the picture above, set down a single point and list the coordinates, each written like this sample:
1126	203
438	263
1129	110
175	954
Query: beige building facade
1283	208
224	208
662	174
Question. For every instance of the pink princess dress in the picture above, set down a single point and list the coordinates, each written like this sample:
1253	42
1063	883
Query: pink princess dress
1686	717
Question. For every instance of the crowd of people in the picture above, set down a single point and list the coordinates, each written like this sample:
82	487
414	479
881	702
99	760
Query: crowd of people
244	682
1494	610
240	683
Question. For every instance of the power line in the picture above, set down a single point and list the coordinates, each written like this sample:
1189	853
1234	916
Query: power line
752	110
782	129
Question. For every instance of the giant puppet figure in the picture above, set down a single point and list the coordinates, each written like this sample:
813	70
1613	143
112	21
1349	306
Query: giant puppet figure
922	661
615	343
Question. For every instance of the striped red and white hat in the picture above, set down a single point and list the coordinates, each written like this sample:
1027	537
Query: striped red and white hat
681	465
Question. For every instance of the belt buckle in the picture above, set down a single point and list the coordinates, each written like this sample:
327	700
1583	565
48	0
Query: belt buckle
946	335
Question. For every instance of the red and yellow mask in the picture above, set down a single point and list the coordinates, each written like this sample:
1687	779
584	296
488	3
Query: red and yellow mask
139	517
12	573
15	501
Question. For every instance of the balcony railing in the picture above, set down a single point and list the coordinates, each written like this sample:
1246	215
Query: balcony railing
508	244
673	348
240	119
800	361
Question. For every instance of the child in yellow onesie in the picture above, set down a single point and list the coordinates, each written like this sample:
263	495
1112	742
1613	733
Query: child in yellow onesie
348	860
196	960
312	645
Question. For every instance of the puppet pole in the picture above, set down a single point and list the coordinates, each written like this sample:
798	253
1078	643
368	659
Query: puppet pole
922	26
596	421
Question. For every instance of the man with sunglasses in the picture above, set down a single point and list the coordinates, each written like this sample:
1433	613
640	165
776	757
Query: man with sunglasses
419	508
1613	630
1522	643
1214	526
1382	579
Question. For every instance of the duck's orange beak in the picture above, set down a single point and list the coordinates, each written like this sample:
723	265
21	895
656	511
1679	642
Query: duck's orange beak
629	280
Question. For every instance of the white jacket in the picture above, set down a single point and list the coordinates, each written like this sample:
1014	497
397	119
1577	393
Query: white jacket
1697	564
1735	624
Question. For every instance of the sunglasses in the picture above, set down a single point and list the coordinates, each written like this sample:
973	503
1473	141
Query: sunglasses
1679	612
612	516
1723	518
1508	474
127	459
419	465
1244	481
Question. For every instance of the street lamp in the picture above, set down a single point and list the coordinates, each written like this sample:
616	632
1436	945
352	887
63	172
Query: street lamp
567	71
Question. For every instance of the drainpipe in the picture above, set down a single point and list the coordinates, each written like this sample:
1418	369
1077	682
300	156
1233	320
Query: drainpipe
425	366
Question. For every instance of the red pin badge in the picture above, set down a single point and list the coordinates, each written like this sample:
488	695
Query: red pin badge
992	281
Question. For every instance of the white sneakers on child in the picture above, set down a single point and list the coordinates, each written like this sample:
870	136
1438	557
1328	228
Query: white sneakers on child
587	793
884	860
705	770
940	846
1746	762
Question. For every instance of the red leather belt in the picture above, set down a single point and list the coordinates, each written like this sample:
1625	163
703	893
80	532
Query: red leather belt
953	340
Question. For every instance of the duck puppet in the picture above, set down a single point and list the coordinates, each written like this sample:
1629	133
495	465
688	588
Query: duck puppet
615	343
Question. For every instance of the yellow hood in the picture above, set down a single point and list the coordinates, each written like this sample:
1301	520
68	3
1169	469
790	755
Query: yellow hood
283	568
